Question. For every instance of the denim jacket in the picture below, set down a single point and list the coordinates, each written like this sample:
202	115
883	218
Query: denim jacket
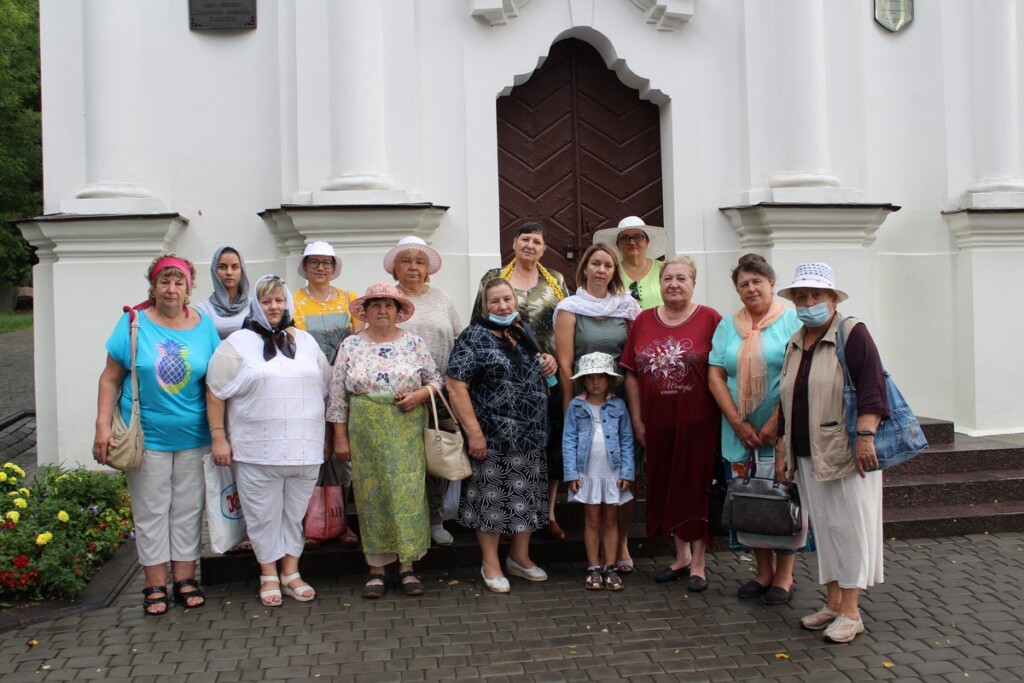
579	429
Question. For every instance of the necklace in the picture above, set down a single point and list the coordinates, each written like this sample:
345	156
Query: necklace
330	295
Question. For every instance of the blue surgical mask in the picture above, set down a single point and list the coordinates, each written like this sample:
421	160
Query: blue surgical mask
504	321
814	316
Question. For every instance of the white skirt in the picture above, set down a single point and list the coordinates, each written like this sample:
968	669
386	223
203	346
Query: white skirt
846	515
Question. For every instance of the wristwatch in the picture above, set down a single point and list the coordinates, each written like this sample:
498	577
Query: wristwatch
865	432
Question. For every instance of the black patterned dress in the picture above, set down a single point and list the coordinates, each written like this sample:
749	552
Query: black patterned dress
508	490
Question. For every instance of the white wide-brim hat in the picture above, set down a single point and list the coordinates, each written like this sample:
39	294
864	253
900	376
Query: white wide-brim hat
319	249
658	236
383	290
596	363
415	244
813	276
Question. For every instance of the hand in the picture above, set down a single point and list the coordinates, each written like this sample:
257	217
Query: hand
548	365
780	471
103	441
407	402
342	449
478	447
747	435
769	433
867	459
573	486
221	451
623	485
640	433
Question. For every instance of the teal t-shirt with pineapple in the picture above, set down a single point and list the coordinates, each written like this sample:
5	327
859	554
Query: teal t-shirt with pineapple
172	390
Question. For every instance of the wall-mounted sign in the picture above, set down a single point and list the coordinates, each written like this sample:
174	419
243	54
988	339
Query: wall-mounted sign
221	14
894	15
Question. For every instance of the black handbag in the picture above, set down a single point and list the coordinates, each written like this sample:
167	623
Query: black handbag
757	505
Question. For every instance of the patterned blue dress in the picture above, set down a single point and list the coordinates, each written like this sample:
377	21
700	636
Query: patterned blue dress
508	491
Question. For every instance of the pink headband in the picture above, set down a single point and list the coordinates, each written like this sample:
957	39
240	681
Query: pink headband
171	262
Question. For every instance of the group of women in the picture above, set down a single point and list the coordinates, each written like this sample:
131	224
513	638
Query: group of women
761	387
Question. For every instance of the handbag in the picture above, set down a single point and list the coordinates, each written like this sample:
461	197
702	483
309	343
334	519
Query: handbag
325	516
129	441
758	505
445	449
793	542
224	515
899	437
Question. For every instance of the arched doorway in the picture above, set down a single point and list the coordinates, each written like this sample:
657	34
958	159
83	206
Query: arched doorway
577	151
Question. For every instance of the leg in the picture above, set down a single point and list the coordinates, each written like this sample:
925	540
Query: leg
848	599
408	581
684	556
848	624
489	550
624	515
552	529
156	577
609	532
188	497
298	484
697	581
765	566
591	531
270	587
520	549
375	587
784	571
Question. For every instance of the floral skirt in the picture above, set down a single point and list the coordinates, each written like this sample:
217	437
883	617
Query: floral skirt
388	478
507	493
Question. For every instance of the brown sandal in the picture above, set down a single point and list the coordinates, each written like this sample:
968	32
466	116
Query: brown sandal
375	587
411	588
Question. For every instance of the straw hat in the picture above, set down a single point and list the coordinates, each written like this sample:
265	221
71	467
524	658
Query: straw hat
658	236
815	276
320	249
416	244
383	290
596	363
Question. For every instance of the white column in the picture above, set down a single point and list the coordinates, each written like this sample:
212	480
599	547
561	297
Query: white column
111	56
355	49
996	91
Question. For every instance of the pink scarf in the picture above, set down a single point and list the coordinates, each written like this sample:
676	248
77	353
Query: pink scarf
752	363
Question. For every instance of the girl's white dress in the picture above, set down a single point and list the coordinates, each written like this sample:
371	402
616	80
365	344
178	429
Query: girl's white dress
599	480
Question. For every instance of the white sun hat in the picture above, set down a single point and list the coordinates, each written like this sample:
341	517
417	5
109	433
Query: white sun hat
319	249
414	243
658	236
814	276
596	363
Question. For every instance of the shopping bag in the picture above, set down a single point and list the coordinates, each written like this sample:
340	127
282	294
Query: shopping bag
224	514
325	516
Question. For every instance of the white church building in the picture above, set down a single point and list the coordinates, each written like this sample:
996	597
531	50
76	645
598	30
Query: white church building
881	136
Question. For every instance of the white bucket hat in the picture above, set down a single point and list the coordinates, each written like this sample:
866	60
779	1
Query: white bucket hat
596	363
417	244
658	236
319	249
814	276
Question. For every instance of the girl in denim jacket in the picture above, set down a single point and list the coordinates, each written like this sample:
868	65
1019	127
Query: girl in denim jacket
597	446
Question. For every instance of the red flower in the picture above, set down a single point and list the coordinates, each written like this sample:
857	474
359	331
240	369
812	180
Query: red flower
21	561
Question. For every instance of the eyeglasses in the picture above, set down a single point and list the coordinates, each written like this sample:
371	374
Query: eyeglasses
314	264
634	290
636	238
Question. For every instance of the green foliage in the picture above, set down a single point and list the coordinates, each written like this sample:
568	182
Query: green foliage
57	533
21	157
12	322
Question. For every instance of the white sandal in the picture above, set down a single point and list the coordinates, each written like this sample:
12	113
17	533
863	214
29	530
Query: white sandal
266	594
304	593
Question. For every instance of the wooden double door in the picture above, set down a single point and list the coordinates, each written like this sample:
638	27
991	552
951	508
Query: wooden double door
577	151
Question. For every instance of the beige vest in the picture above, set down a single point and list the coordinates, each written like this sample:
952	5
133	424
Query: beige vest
831	455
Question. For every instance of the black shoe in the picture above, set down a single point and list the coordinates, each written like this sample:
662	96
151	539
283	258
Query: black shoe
751	589
697	584
777	595
670	574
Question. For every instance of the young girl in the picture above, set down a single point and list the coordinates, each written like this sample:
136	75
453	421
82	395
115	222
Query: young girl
597	446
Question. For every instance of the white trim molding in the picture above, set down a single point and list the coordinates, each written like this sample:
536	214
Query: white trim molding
666	15
497	12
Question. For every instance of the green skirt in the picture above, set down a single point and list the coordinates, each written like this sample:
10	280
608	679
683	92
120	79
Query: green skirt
388	476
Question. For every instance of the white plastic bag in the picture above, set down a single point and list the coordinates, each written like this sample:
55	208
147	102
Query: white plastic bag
450	503
224	513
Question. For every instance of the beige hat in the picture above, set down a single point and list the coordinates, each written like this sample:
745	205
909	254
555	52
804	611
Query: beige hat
417	244
658	236
319	249
383	290
596	363
814	276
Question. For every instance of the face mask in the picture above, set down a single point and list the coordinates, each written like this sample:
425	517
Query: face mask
504	321
814	316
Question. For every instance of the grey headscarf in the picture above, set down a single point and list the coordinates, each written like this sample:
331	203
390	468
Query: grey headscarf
274	338
219	298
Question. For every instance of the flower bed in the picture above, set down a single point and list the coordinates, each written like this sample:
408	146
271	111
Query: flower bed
57	532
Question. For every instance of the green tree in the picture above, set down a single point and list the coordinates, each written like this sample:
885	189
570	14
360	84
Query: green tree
21	158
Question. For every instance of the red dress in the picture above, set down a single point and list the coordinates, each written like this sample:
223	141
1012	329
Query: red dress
681	419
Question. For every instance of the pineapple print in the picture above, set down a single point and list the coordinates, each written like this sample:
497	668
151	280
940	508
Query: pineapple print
172	367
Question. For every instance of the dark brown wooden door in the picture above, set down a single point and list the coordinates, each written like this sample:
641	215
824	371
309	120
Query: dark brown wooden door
577	151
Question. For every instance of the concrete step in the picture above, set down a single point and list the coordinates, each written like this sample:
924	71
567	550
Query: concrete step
954	489
964	454
936	431
954	520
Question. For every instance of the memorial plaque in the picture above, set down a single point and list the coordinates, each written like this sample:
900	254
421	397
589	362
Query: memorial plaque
894	15
221	14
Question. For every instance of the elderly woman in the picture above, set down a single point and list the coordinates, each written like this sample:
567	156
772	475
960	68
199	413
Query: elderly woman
273	378
843	496
175	344
675	416
229	304
497	389
746	366
411	262
538	290
638	245
326	313
596	318
382	377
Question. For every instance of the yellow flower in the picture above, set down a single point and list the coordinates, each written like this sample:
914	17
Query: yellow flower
13	481
63	516
14	468
20	502
13	516
12	494
24	491
62	477
44	538
3	477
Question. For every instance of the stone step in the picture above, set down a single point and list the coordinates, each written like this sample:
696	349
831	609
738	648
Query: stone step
965	454
936	431
977	487
954	520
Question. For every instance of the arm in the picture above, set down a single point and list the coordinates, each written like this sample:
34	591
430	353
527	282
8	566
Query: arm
633	398
341	446
458	392
218	436
565	349
111	380
719	386
872	403
627	469
570	441
429	376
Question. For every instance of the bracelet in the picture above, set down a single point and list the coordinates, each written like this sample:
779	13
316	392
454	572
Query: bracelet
865	432
213	429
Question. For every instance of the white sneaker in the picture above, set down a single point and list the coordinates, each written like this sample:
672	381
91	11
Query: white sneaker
534	573
440	535
844	630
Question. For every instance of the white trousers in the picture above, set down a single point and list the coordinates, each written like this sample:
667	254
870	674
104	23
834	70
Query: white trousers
846	515
168	496
275	498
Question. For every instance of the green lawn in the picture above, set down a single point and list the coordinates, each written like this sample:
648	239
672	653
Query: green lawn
12	322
